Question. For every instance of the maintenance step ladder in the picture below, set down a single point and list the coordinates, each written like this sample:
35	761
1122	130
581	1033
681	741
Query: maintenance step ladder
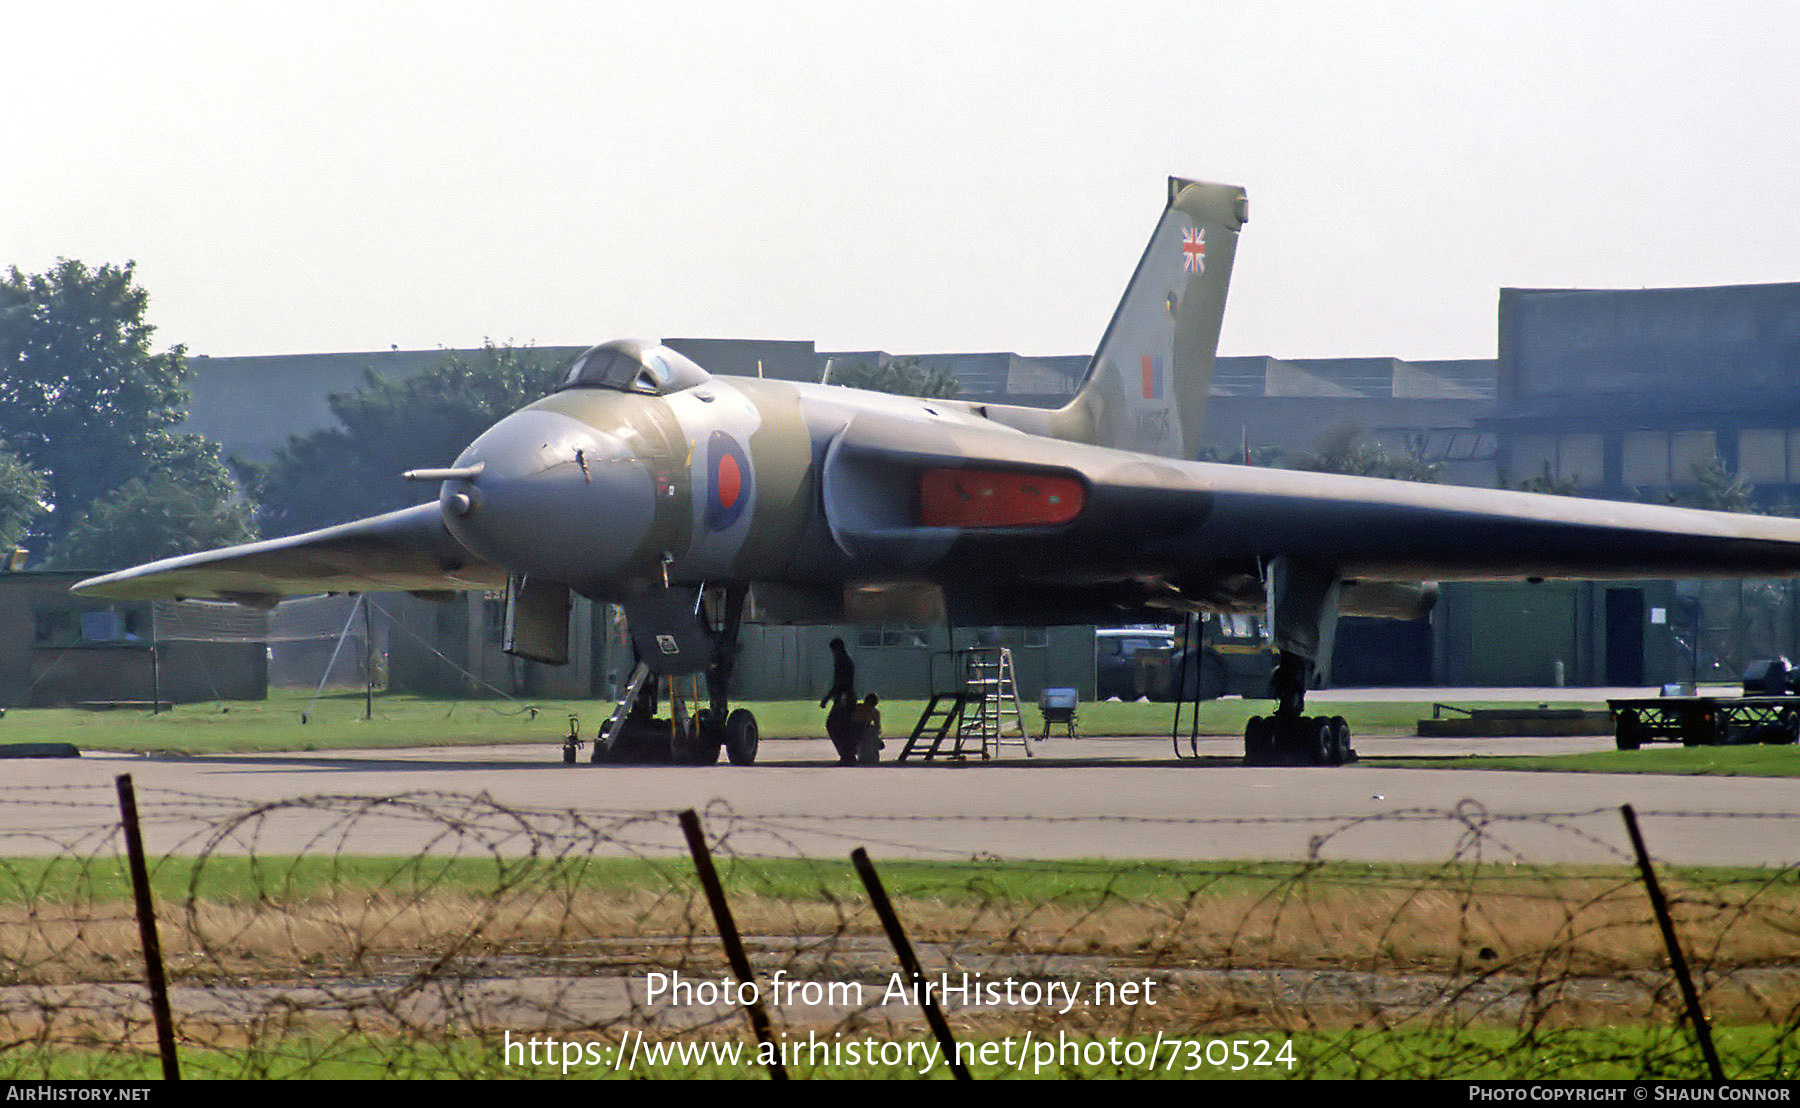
983	716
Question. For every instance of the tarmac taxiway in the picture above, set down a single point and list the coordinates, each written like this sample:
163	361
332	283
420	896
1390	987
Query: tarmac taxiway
1090	797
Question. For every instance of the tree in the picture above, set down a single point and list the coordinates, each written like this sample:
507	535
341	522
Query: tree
155	517
1717	489
1347	449
85	401
22	491
389	426
901	376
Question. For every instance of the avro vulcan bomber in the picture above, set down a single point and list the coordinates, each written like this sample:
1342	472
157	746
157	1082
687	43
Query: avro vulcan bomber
646	481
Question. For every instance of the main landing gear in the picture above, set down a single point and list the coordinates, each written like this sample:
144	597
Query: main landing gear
1289	737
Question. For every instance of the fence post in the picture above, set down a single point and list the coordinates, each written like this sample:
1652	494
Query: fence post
909	961
728	936
1661	906
146	914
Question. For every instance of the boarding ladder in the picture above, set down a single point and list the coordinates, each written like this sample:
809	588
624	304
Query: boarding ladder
939	719
609	732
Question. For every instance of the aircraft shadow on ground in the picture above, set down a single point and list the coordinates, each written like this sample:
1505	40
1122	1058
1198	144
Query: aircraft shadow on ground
245	763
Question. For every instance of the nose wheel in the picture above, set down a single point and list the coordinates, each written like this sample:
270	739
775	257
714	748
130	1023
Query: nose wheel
741	737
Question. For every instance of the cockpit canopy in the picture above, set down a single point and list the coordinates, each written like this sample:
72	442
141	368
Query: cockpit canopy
629	366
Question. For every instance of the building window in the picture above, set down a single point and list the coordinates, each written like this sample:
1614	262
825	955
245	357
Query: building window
1578	458
1024	638
115	623
1533	456
1581	459
1763	456
908	635
1645	459
1690	452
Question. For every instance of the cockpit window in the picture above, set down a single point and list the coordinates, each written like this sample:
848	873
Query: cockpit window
602	368
647	368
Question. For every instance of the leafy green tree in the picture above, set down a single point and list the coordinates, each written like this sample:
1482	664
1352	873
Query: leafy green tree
1346	448
154	517
22	491
87	403
389	426
901	376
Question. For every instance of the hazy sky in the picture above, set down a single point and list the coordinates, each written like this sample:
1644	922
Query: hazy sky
914	177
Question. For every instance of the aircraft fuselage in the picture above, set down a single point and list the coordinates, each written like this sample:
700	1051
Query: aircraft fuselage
749	480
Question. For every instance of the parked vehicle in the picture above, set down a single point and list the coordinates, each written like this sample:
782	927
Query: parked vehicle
1134	663
1767	712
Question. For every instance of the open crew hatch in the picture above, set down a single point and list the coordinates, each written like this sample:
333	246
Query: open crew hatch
629	366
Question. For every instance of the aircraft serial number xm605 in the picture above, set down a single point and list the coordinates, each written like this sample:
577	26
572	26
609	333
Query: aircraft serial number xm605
646	481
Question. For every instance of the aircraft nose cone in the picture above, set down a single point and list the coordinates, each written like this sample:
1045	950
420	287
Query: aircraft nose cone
555	498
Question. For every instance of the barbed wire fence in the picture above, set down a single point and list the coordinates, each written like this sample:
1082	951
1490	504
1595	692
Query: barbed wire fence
430	935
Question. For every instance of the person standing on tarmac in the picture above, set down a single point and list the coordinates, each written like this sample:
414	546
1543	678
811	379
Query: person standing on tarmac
841	701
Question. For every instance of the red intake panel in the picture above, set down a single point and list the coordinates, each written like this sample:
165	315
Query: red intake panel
995	498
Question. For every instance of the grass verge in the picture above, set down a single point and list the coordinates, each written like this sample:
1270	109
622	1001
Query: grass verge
259	918
356	967
1718	761
336	722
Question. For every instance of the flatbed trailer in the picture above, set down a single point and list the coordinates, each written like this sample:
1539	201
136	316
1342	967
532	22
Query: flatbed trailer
1705	720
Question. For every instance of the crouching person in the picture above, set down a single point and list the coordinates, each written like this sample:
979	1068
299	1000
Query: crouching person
865	732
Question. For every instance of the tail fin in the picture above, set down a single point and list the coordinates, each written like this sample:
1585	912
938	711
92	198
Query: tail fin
1147	385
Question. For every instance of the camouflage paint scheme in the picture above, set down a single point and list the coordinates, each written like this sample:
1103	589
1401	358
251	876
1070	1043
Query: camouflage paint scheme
811	494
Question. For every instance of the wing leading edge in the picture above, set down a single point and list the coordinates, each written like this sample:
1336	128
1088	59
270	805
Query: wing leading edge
408	550
1162	518
1401	530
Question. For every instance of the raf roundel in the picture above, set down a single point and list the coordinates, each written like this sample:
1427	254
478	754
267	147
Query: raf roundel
730	481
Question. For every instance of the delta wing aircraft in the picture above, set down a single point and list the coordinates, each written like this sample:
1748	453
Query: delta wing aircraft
646	481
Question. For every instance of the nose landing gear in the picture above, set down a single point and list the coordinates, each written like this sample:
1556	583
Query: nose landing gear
676	639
